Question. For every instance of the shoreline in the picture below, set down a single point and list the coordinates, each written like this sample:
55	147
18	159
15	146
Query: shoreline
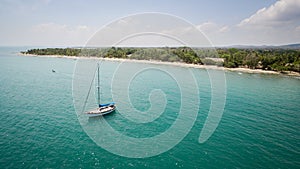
239	70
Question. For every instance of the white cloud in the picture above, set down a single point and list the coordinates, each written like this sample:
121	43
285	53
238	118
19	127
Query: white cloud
207	26
224	29
218	34
276	24
282	12
149	29
212	28
53	33
273	25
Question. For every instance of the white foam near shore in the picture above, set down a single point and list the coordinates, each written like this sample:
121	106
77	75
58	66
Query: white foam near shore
245	70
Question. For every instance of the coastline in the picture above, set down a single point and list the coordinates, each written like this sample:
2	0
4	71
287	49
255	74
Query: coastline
240	70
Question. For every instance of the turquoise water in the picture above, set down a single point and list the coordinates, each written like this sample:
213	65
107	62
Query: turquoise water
39	126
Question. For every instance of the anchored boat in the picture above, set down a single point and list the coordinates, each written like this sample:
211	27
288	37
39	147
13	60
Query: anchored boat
103	109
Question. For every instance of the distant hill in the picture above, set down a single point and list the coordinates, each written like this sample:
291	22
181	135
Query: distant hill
289	46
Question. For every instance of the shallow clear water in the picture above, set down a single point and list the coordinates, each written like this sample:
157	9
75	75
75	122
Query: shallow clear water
39	126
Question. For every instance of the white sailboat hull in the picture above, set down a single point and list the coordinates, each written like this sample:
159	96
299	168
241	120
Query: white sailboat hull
101	111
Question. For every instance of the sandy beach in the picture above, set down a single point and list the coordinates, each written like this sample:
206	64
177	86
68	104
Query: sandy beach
242	70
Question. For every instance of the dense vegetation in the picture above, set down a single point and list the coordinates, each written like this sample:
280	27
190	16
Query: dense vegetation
182	54
266	59
54	51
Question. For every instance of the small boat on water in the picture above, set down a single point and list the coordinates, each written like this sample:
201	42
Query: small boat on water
103	109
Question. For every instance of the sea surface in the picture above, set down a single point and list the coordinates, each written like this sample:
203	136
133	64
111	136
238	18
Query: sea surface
40	128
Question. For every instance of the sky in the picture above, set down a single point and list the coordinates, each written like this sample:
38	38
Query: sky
74	22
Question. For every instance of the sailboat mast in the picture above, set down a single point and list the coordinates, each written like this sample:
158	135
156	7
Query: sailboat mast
98	85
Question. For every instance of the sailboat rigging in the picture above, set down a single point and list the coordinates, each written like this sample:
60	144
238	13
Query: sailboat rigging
102	108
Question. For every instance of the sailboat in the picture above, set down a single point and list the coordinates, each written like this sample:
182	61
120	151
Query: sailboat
102	109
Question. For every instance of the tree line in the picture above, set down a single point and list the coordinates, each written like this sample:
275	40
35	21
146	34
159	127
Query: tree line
266	59
54	51
258	58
